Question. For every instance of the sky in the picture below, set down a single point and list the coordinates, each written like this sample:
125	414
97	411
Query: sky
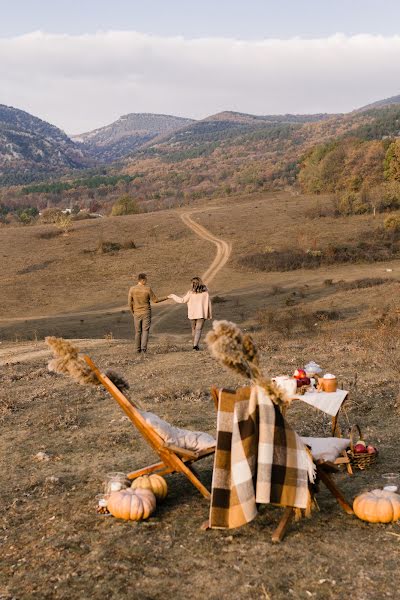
82	64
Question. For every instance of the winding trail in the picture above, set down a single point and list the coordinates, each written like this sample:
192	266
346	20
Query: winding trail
29	351
224	249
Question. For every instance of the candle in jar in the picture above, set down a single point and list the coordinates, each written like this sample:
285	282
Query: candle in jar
390	488
115	486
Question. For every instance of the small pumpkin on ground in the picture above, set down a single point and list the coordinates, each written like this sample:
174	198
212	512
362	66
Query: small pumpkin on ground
155	483
377	506
133	505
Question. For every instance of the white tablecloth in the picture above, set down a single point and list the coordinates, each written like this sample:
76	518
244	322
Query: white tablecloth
329	403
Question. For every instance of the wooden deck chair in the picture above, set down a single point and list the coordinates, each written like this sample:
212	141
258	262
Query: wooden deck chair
324	469
172	458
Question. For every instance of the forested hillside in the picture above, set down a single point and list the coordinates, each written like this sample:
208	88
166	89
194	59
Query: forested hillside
31	149
363	168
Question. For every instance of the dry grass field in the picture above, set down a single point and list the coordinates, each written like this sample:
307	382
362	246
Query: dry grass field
53	545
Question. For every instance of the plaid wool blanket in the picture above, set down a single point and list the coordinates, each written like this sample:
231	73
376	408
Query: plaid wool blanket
259	459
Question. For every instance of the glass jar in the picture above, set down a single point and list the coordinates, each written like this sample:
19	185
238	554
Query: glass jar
114	482
101	504
391	481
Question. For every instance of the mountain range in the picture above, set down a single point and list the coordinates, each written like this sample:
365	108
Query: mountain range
32	149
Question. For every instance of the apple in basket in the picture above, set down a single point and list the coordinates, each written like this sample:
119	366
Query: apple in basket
299	374
360	449
371	449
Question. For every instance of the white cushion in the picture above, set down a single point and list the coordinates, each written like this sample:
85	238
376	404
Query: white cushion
326	448
184	438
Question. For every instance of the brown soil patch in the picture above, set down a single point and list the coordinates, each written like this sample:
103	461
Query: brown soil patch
55	546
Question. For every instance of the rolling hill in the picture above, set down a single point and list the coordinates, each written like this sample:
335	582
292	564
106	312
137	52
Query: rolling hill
385	103
32	149
127	134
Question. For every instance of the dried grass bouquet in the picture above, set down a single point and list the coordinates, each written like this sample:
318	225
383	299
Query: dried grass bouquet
237	351
68	361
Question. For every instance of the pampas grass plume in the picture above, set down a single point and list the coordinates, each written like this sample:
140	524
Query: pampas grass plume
237	351
68	362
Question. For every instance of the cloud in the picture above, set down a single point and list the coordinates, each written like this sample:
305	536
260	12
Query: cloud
80	82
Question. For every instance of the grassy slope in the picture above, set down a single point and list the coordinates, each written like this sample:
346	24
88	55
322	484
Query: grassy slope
74	280
66	274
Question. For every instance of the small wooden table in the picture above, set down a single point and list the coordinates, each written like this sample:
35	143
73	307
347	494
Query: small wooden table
329	403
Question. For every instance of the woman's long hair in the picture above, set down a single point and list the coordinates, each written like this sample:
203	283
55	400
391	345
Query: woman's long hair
198	286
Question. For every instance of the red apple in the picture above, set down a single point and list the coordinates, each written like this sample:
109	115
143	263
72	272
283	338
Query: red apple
361	443
300	373
371	450
359	449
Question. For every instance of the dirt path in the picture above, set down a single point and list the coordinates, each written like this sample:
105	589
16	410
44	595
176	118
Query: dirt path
224	249
23	352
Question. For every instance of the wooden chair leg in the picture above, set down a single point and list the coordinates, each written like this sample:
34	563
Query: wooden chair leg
160	467
177	465
284	523
348	464
327	480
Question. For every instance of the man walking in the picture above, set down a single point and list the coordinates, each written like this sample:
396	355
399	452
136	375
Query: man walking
139	299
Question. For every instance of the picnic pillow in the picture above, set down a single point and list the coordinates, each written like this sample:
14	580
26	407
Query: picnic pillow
184	438
326	448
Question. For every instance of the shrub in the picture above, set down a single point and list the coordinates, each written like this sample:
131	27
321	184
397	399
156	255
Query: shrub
50	215
367	282
353	203
129	245
64	223
392	223
373	246
126	205
49	235
288	321
105	247
390	197
27	214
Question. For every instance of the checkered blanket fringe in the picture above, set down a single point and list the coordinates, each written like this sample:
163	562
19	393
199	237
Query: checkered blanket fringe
259	459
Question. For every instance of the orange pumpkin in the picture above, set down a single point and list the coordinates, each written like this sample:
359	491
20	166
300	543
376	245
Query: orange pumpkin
133	505
155	483
377	506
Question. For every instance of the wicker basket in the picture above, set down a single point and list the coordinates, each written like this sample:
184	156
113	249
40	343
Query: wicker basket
360	460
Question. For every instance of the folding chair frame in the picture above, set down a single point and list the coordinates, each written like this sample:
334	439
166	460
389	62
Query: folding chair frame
173	458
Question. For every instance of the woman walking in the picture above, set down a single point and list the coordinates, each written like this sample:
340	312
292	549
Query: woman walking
199	307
